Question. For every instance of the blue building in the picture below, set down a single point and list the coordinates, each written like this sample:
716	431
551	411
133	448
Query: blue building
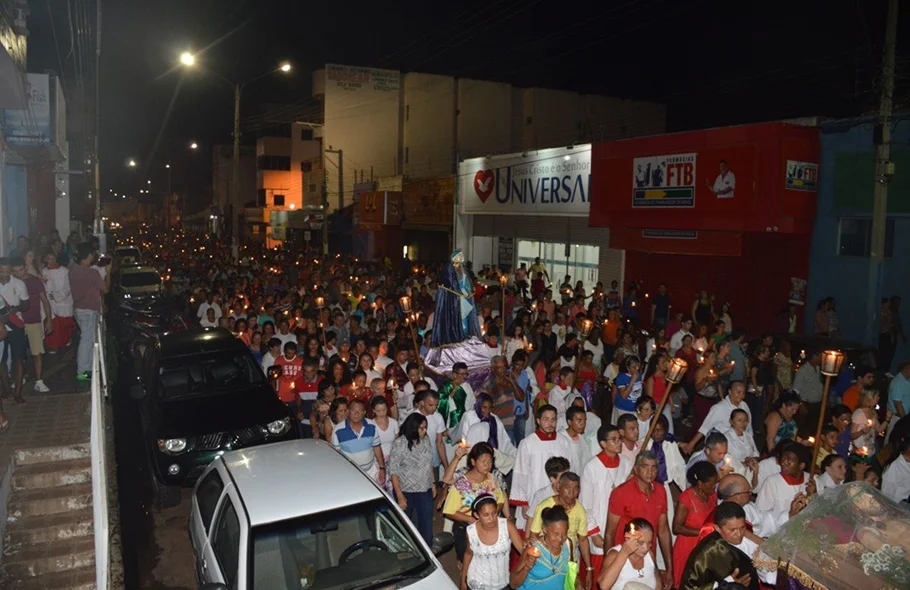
839	255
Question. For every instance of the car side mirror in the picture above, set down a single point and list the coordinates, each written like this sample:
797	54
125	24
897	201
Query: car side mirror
214	586
442	543
273	372
137	391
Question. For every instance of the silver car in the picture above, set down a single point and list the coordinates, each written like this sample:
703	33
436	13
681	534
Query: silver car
299	515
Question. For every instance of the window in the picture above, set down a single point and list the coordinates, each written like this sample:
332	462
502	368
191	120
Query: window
306	166
274	163
278	200
855	237
183	376
260	197
207	495
139	279
226	543
306	135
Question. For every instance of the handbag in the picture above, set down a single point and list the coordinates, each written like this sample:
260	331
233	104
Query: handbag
571	570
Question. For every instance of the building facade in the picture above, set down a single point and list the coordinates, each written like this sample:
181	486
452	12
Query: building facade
839	263
728	211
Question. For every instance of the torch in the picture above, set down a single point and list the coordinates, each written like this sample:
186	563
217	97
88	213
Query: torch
830	367
405	303
503	281
674	376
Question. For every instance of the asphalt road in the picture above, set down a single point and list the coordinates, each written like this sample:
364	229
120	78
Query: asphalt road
156	548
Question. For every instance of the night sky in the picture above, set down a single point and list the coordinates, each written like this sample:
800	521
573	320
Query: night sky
712	62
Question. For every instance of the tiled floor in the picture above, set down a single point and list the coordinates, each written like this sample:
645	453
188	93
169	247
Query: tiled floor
45	421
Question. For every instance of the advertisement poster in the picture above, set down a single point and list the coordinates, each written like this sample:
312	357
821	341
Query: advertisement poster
802	176
797	291
31	126
553	181
664	181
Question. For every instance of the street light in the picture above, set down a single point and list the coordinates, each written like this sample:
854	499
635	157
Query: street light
194	146
167	165
131	163
189	60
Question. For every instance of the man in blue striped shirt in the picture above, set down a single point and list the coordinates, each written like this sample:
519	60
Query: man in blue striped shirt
359	441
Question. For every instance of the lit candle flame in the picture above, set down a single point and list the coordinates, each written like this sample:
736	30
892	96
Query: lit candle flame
812	439
464	442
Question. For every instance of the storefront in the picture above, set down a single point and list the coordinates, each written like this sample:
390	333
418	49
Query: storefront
427	225
517	207
727	210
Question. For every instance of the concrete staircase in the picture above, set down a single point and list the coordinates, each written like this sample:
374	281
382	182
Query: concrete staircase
49	538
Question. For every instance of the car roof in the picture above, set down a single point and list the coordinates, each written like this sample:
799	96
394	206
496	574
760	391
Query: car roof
273	478
133	269
198	340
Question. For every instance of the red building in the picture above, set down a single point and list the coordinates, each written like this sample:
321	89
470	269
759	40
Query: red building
726	210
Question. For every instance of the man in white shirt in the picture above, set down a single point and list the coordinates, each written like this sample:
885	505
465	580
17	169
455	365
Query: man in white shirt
284	334
725	183
561	395
15	297
209	303
778	491
676	339
896	479
272	354
209	320
426	403
600	477
574	435
380	360
761	525
718	417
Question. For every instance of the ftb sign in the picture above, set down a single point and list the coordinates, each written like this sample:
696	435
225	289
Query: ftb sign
543	182
664	181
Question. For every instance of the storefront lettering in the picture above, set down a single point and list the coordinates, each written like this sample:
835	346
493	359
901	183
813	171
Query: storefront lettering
542	189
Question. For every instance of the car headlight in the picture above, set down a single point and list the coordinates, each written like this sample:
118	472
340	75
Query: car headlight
279	427
127	296
172	446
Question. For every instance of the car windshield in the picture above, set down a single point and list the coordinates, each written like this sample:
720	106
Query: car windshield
128	253
140	279
360	546
202	374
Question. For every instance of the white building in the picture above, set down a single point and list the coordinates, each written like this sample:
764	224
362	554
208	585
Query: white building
393	128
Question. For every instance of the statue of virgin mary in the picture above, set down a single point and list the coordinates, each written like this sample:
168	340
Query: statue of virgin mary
455	319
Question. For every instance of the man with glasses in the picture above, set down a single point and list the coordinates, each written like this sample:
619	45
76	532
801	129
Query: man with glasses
600	477
760	525
453	396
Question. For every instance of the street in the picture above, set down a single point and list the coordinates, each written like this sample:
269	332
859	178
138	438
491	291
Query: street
156	548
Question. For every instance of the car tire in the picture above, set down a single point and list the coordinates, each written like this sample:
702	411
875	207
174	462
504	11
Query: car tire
165	496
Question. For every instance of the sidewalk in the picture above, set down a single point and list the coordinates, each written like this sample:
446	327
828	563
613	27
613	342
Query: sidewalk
59	418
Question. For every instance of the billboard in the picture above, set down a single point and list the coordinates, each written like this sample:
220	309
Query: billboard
664	181
553	182
429	201
802	176
32	125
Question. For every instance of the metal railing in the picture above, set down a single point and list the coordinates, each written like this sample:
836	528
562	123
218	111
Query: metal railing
98	445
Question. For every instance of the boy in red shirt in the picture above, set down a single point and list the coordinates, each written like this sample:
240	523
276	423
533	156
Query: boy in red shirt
290	364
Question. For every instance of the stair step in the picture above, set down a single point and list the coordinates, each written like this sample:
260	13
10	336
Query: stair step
50	558
76	579
51	454
32	476
49	527
27	503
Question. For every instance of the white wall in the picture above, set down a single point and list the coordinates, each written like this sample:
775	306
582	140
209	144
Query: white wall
429	125
362	112
484	118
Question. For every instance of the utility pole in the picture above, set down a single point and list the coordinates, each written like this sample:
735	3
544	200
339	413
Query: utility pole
325	200
884	171
235	222
325	209
99	226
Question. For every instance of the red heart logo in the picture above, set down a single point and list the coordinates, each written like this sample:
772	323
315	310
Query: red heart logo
484	183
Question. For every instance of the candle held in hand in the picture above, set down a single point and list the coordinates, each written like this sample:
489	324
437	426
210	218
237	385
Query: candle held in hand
534	551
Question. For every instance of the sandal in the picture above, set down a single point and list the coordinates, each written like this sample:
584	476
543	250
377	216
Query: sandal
20	400
4	427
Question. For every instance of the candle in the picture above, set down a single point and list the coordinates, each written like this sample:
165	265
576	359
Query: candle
812	439
464	442
727	461
868	422
534	551
293	385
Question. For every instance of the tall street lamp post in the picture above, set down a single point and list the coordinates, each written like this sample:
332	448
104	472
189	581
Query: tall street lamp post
188	60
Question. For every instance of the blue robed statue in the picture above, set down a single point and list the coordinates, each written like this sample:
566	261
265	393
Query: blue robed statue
455	319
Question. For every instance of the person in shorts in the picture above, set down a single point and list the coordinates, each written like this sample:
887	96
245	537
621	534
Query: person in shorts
35	328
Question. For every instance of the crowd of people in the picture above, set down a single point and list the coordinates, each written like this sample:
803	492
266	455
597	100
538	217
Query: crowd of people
555	461
47	288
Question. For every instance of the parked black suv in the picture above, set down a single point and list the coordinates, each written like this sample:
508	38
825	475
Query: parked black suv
200	394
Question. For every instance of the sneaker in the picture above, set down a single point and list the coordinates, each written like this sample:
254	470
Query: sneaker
40	387
84	376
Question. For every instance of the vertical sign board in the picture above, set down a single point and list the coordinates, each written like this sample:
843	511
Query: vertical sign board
506	253
32	125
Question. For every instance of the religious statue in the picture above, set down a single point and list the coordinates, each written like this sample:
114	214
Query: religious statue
455	319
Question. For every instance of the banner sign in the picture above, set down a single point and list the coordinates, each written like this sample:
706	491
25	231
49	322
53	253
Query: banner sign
664	181
553	182
802	176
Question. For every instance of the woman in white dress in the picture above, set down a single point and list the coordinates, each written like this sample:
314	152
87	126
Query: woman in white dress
834	472
388	430
631	561
490	541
